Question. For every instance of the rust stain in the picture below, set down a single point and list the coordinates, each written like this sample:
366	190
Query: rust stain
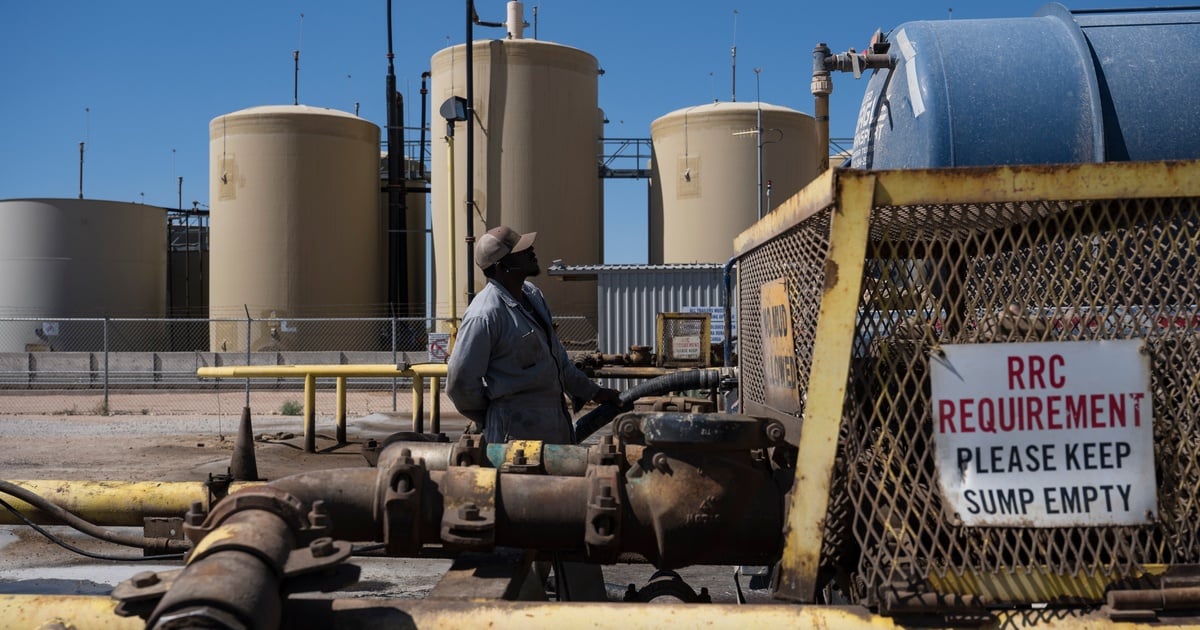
831	275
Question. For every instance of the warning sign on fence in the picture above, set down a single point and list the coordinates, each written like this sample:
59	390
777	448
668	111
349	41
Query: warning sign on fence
439	347
1045	434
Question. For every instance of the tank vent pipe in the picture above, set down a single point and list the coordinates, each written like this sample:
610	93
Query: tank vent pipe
516	20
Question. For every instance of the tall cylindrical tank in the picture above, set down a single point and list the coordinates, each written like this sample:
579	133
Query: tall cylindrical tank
536	131
705	172
294	228
1060	87
81	258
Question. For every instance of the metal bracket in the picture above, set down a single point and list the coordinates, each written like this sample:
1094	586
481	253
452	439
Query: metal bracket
287	507
398	501
601	538
468	451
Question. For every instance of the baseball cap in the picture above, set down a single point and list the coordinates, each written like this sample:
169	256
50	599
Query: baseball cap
500	242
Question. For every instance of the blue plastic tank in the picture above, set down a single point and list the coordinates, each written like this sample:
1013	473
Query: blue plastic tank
1060	87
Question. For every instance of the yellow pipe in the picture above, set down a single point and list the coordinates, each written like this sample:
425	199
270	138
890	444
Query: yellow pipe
418	404
312	372
64	611
435	404
321	371
310	413
341	410
112	503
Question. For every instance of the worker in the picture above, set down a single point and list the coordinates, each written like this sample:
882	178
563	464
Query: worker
508	372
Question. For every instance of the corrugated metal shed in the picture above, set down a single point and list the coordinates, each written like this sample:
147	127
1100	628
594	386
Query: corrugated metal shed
629	298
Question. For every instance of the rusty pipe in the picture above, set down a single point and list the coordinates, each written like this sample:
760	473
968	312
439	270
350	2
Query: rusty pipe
235	572
1155	599
822	87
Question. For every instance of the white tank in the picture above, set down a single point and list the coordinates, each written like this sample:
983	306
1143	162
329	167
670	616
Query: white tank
538	125
294	216
65	258
705	174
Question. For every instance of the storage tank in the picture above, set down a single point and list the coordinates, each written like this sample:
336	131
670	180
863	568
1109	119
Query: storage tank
81	258
1060	87
535	164
705	172
294	229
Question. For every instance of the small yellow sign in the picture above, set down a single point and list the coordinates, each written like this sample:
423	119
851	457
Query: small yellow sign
779	348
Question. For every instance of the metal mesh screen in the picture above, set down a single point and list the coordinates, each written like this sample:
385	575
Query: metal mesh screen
985	273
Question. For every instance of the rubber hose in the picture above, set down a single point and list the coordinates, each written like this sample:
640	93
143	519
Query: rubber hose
91	529
597	418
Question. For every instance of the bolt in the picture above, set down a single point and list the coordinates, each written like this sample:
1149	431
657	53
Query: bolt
144	579
322	547
628	429
318	516
776	432
660	462
469	512
195	515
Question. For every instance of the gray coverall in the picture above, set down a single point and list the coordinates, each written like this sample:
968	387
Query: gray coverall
508	372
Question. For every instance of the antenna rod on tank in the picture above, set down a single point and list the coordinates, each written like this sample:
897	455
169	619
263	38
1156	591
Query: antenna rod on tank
733	61
296	65
87	132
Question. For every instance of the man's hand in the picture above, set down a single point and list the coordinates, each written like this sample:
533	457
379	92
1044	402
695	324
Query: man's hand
607	395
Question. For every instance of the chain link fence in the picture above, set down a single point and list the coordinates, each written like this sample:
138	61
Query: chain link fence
125	366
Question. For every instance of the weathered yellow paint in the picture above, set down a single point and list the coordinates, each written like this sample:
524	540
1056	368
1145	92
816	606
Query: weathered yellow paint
63	611
1001	184
112	503
321	370
531	448
219	536
832	349
1017	585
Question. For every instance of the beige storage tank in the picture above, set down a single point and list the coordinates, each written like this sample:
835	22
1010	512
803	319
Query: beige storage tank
77	258
294	205
705	174
538	124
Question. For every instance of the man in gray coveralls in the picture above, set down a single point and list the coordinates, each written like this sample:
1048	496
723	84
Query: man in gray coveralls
508	371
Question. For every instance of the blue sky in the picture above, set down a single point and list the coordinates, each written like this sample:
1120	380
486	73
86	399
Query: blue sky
139	81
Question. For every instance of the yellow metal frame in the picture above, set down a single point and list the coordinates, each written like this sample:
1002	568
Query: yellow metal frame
853	194
310	373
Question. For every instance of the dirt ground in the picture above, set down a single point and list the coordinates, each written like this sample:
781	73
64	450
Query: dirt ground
182	448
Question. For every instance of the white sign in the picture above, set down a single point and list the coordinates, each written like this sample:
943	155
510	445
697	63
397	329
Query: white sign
716	321
1045	434
439	347
687	347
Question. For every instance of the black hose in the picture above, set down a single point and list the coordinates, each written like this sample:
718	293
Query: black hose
91	529
83	552
597	418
